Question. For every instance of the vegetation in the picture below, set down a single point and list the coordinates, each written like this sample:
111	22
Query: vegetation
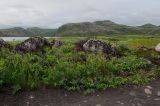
84	29
21	32
104	28
67	68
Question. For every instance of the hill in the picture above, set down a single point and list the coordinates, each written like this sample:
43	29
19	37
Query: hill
17	31
106	27
98	28
36	31
21	32
95	28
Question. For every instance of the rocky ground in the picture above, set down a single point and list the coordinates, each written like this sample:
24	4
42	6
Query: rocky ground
148	95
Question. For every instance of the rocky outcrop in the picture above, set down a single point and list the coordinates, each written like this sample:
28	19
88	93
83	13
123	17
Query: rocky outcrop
4	44
157	48
34	44
56	43
96	46
99	46
79	45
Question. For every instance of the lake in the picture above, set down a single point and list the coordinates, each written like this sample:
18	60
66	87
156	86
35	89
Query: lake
10	39
16	38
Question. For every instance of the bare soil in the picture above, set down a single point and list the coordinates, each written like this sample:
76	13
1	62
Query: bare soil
148	95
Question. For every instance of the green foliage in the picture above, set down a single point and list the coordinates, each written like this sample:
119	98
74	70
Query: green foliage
66	68
128	63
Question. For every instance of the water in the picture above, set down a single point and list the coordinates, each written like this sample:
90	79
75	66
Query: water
9	39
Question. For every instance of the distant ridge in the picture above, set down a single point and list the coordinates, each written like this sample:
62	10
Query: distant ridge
98	28
105	27
21	32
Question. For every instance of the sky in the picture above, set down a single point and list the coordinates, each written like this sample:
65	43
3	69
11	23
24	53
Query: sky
54	13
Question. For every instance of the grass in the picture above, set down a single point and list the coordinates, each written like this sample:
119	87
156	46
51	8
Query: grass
133	40
66	68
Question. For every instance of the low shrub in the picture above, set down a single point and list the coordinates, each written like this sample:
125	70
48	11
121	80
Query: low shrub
66	68
130	64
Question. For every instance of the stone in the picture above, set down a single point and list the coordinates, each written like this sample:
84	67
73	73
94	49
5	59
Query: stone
149	87
145	48
148	96
132	93
133	104
31	97
157	99
94	46
157	48
147	91
122	103
79	45
27	103
98	105
34	44
4	44
65	95
138	104
119	102
85	101
99	46
57	44
155	61
158	93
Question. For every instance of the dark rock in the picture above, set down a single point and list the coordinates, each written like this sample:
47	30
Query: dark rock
145	48
4	44
155	61
99	46
56	43
34	44
79	45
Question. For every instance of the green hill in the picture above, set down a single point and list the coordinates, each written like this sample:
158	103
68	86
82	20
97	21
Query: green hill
98	28
21	32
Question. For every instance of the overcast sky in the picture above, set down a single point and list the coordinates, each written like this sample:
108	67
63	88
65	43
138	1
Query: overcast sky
53	13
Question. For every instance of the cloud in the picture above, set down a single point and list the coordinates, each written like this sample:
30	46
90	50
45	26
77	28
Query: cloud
53	13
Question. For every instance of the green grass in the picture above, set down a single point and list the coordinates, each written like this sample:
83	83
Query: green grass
134	40
66	68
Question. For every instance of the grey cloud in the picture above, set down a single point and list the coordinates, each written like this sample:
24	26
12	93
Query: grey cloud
53	13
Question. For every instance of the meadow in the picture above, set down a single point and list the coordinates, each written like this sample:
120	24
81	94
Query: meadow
66	68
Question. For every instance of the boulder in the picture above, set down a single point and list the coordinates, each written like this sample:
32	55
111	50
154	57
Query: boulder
155	61
34	44
4	44
94	46
99	46
79	45
145	48
157	48
56	43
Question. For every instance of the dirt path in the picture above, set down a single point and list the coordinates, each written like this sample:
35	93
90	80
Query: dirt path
126	96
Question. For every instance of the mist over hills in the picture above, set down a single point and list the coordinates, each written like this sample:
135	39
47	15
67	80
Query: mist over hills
101	28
